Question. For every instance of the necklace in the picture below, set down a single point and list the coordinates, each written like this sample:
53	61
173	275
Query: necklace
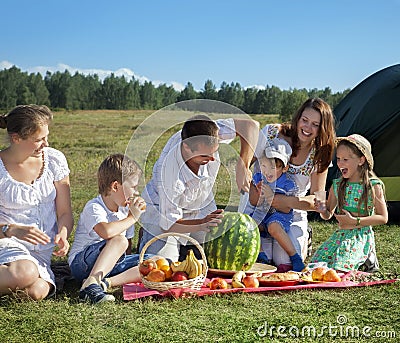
41	169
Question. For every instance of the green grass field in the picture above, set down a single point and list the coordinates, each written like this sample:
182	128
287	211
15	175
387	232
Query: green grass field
87	138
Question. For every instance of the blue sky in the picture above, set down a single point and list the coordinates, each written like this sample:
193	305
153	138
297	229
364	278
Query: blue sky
289	44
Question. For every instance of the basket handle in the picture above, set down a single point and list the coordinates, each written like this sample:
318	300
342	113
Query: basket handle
166	234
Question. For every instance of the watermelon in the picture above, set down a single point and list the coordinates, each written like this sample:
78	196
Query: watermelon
234	244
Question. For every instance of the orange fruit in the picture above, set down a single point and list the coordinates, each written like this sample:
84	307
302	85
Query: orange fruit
162	262
168	272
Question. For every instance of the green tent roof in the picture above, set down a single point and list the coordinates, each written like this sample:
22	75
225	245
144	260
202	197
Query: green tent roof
372	109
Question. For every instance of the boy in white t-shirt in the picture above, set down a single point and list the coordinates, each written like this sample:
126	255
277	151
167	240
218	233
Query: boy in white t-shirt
105	225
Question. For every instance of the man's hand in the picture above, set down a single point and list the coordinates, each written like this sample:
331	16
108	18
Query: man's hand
213	219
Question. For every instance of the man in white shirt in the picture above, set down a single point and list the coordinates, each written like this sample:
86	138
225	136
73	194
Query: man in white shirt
179	196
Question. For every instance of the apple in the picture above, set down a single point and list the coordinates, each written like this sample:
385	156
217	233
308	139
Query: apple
179	276
250	281
146	267
218	283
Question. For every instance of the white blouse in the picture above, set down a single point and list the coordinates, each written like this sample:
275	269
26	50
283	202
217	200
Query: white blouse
33	204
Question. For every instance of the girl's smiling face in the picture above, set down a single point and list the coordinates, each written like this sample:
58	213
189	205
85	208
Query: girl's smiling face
349	163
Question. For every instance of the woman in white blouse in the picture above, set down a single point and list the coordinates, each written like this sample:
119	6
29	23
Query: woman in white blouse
311	135
35	204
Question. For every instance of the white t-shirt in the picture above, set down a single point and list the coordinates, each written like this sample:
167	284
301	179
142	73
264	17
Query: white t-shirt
175	192
94	212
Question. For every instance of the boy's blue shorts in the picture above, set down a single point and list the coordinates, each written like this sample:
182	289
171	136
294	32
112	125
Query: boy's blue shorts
84	261
281	218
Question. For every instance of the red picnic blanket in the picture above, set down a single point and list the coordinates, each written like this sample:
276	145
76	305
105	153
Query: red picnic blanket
133	291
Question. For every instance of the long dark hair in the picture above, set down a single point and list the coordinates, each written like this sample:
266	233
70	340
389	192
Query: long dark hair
324	143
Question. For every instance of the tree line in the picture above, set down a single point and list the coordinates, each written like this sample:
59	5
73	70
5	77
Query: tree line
62	90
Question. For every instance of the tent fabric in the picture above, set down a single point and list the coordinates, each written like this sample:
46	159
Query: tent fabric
372	109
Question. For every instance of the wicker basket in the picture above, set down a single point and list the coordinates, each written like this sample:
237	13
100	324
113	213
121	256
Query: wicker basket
195	283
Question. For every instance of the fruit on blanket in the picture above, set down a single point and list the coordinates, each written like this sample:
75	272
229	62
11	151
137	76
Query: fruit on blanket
168	272
318	273
332	276
156	275
218	283
162	261
146	267
250	281
237	279
179	276
234	244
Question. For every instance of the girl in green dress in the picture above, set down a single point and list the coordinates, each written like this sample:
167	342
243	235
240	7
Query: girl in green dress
357	200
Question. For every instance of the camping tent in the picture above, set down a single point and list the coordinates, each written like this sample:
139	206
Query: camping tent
372	109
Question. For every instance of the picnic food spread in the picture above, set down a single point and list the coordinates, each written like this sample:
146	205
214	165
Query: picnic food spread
231	247
242	280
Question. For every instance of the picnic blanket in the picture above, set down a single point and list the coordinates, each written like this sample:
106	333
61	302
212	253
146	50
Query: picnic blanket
133	291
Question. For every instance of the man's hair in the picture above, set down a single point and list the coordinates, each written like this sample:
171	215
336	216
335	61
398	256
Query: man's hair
199	129
116	167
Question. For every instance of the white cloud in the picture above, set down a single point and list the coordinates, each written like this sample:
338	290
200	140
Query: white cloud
5	65
101	73
257	87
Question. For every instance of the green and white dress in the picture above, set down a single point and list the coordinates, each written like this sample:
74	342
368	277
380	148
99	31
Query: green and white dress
347	250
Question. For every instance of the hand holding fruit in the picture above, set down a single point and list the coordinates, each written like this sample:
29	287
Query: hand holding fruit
137	206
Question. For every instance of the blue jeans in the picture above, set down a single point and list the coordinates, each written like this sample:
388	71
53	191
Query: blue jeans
84	261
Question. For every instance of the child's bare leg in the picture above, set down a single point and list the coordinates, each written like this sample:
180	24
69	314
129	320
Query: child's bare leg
130	275
279	234
109	256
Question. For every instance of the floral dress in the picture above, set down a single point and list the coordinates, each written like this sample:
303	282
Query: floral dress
347	250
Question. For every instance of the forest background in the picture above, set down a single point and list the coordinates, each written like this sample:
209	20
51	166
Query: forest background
61	90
